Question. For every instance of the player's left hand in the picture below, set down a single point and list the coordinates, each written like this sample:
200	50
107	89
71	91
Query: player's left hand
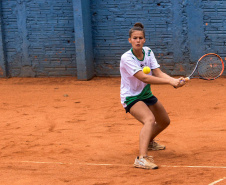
182	82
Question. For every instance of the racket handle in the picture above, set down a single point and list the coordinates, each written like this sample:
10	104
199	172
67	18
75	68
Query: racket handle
186	79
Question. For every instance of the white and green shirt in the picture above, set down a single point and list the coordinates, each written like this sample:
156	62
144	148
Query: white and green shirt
131	87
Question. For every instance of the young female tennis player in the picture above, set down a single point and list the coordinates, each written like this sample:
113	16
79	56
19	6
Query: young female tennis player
136	95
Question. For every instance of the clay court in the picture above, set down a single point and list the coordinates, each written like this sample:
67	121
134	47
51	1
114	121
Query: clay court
65	131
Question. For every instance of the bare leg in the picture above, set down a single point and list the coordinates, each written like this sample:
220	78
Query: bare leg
154	119
161	117
143	114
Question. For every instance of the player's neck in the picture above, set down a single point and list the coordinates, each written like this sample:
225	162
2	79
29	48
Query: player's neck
138	53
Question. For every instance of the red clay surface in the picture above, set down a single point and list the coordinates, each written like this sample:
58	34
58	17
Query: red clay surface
65	131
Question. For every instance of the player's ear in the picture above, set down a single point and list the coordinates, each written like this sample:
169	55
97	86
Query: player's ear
129	39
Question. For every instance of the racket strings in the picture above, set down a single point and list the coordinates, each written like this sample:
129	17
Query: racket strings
210	67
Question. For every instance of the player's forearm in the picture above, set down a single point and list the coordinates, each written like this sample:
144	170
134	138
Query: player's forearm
155	80
149	79
161	74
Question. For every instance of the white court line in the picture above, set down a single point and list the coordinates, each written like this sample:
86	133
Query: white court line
86	164
215	182
103	164
38	162
98	164
193	166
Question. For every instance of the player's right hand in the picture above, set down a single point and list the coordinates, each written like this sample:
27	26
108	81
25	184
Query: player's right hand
178	82
182	82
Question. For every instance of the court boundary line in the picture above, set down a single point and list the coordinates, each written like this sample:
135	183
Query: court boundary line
219	180
109	164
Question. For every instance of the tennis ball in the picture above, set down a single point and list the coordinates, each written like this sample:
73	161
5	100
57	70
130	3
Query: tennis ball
146	70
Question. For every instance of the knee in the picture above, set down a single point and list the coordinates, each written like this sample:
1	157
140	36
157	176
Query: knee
167	122
164	123
149	121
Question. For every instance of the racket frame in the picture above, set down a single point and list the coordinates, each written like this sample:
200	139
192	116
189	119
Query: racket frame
189	77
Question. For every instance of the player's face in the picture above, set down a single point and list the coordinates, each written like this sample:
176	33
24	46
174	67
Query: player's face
137	40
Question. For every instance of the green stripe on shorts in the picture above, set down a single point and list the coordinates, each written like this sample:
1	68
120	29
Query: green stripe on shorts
146	93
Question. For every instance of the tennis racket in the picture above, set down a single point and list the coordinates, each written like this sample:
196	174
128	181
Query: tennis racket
209	67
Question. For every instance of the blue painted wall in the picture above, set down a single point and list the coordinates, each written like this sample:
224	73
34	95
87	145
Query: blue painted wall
83	39
179	32
38	38
3	66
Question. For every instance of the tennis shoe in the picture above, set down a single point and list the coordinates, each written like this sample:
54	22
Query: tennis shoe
146	162
155	146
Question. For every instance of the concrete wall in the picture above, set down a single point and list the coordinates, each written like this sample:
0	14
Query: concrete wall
3	66
84	38
179	32
39	37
